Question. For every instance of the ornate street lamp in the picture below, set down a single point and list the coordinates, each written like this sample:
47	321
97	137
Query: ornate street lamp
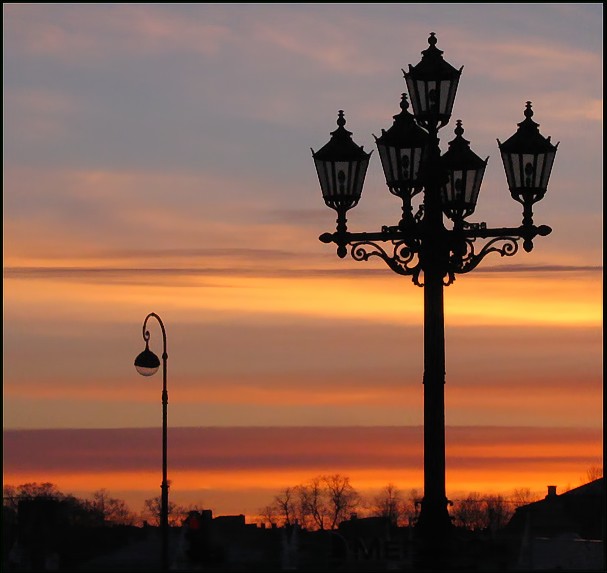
421	246
147	364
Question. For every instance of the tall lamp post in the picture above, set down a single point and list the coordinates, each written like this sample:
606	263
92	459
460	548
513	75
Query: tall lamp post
147	364
420	245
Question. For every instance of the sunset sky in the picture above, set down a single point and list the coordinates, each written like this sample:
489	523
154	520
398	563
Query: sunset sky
157	159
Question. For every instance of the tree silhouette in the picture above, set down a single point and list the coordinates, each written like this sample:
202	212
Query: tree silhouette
152	511
285	505
483	512
523	496
113	511
312	504
594	473
342	498
177	513
31	490
321	503
389	503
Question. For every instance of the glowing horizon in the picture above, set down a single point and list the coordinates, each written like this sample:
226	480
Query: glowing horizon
214	463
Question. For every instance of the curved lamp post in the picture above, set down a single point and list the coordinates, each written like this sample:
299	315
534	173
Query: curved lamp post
420	245
147	364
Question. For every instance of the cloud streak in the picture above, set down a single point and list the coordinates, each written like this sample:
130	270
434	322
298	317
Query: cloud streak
153	274
304	448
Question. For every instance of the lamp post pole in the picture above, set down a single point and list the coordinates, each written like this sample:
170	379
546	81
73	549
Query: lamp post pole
432	255
147	363
420	245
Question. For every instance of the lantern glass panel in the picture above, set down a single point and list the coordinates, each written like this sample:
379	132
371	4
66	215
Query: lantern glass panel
460	194
547	169
144	371
539	169
432	98
401	166
322	168
387	155
508	160
528	170
444	97
342	181
359	172
415	88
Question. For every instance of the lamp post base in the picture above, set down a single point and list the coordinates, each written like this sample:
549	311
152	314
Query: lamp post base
434	519
434	534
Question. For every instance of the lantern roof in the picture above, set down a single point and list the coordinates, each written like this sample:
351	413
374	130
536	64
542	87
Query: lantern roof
432	65
341	147
459	156
147	359
527	138
404	131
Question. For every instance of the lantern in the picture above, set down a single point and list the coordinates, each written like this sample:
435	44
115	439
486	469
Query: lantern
432	85
465	172
341	166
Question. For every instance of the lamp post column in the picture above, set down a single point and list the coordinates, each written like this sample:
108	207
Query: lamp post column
434	518
164	517
147	364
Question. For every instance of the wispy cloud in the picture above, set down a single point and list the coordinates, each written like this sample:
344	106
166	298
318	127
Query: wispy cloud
308	449
103	32
153	275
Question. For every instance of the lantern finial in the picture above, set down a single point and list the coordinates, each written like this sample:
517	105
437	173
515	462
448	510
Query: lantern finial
528	110
432	50
459	130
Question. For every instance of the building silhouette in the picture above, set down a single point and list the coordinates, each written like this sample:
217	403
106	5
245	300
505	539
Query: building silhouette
561	532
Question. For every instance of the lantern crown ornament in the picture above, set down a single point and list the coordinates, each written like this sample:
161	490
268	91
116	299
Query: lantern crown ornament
341	165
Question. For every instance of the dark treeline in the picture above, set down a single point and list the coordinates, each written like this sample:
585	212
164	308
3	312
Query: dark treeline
100	510
323	522
321	503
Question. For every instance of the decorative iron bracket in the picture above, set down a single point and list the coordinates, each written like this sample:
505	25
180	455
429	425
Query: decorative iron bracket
403	255
404	259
